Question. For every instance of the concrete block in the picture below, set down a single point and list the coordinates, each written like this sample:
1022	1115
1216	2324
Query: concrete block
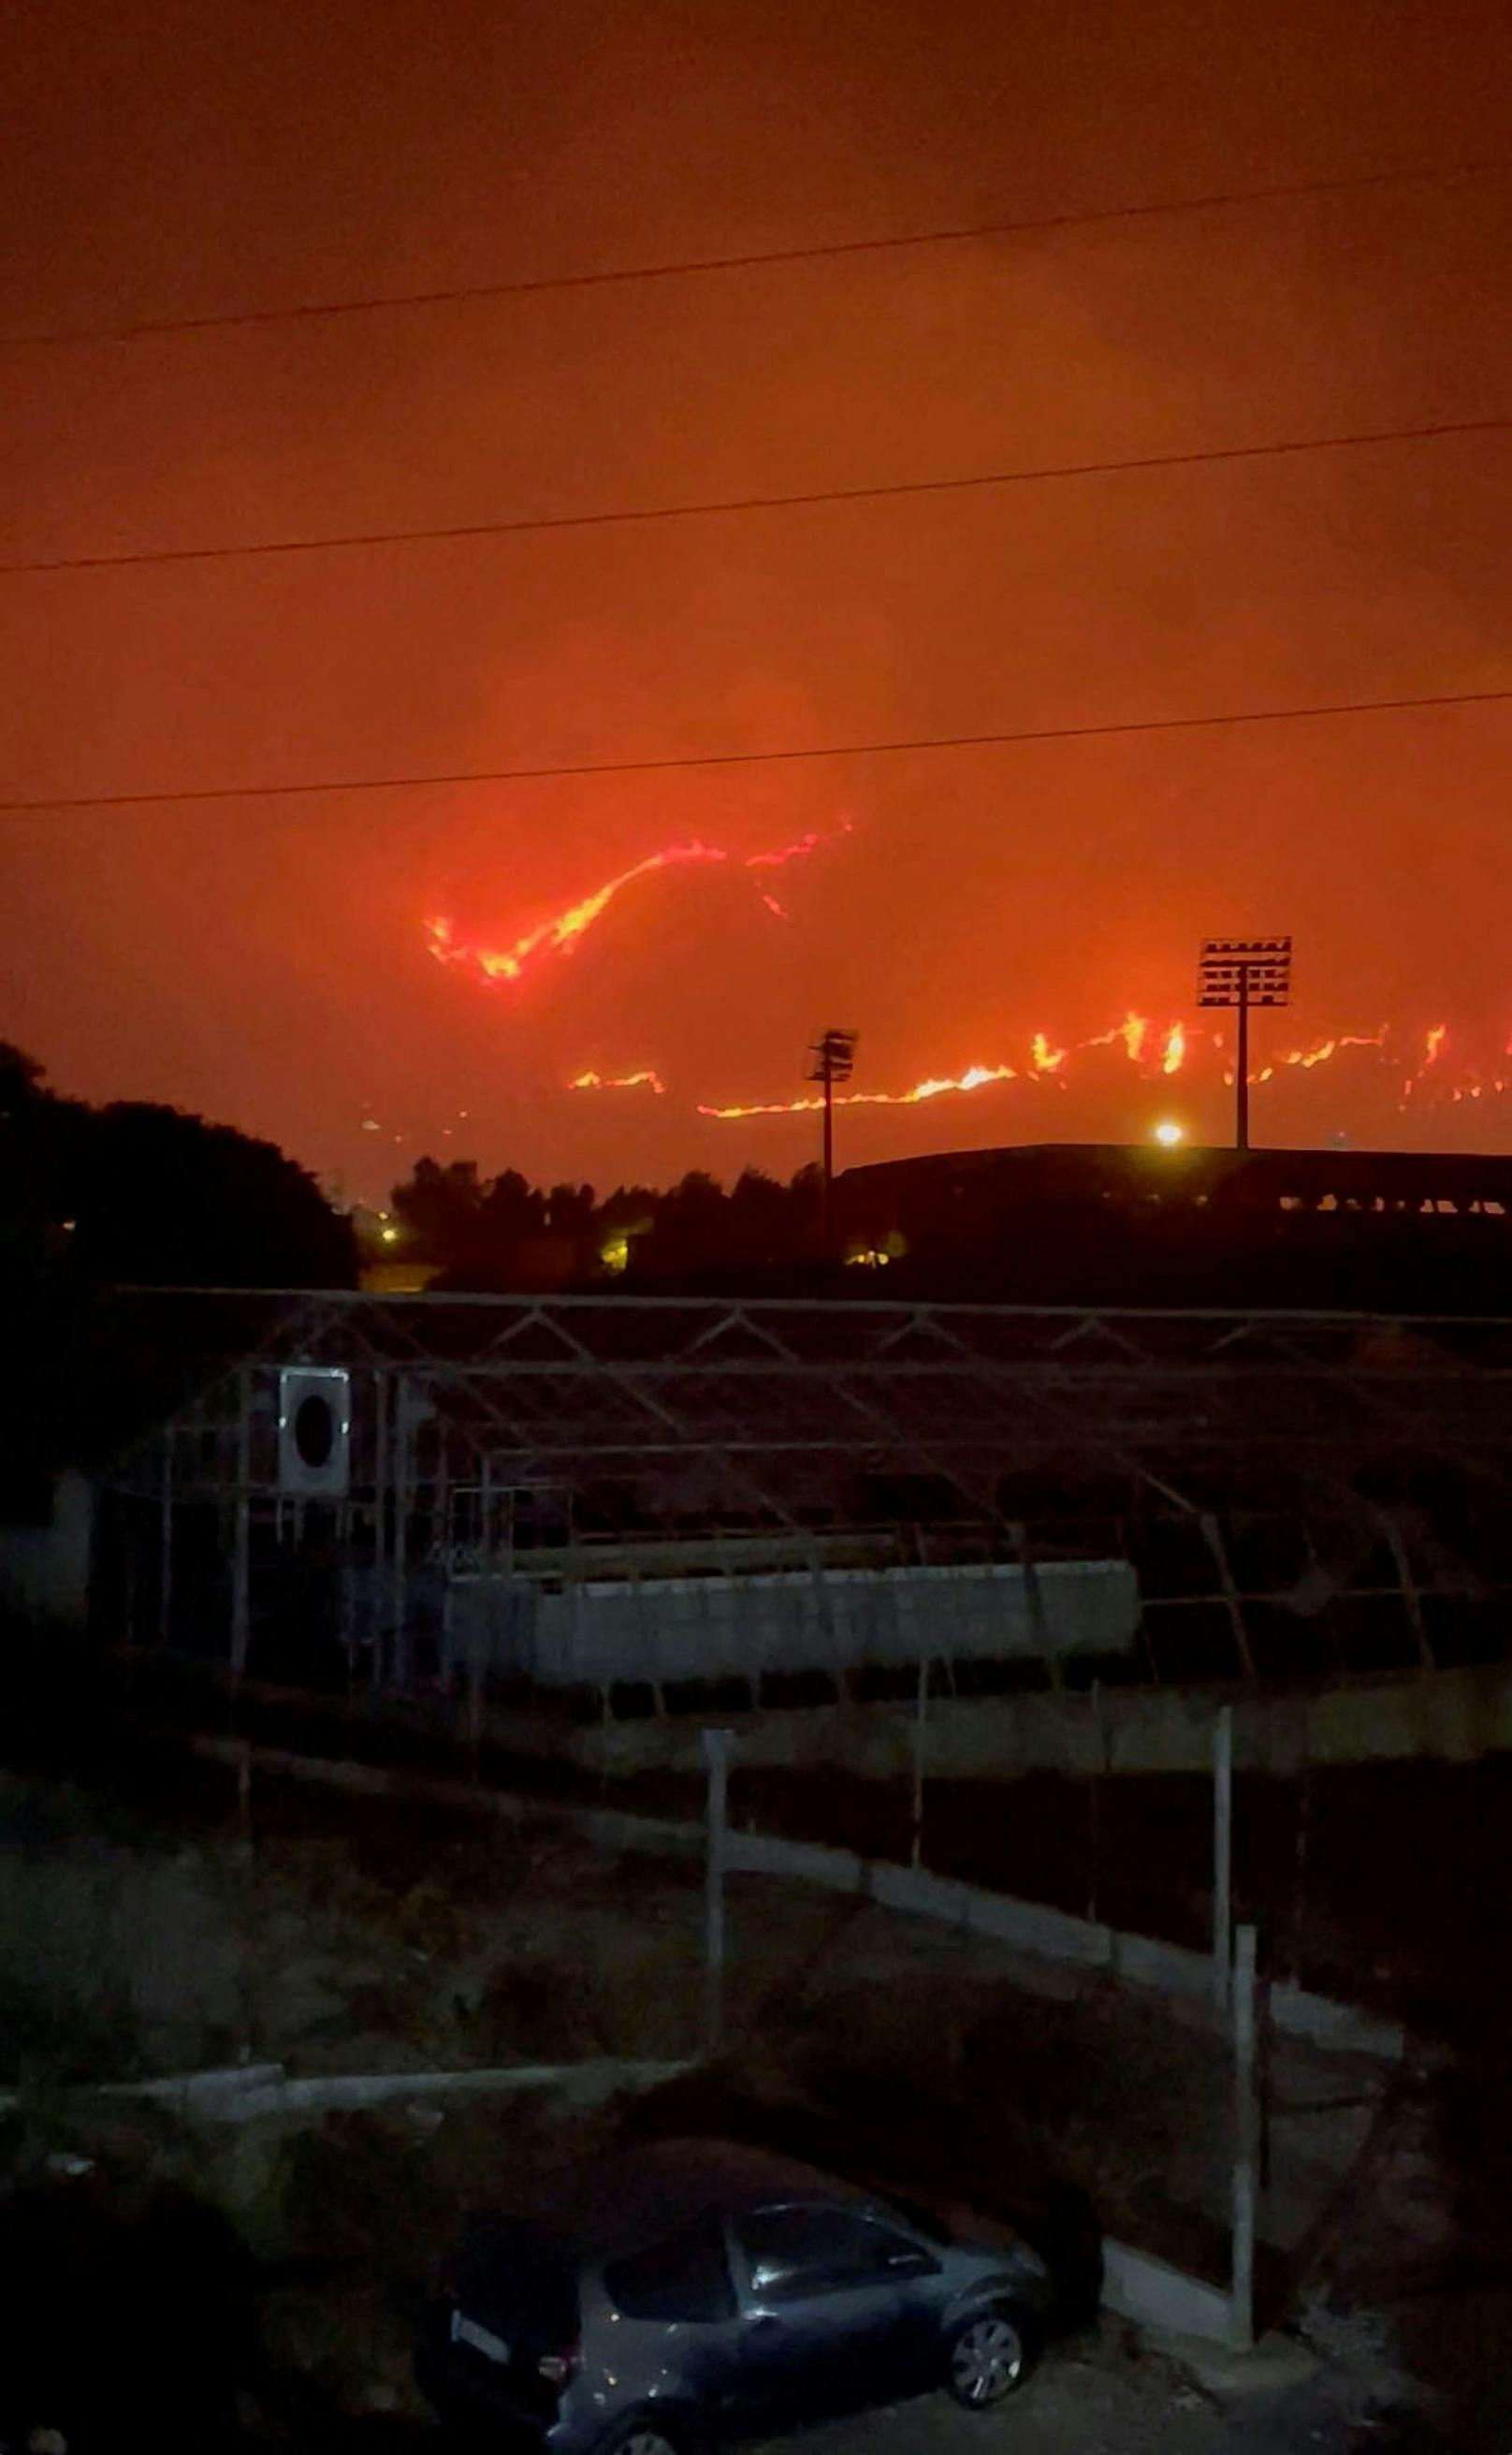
919	1895
1032	1928
610	1828
1339	2026
805	1863
1145	2289
202	2091
1165	1967
352	2092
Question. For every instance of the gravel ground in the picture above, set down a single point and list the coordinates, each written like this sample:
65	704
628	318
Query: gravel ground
1110	2397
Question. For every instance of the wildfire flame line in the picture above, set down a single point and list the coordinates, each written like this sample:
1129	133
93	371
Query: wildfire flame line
1046	1059
646	1080
562	932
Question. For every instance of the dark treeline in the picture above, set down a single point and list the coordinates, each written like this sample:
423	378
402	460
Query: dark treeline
130	1194
136	1194
501	1231
1039	1227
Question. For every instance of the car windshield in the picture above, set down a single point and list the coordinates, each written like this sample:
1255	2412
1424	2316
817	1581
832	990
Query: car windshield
921	2221
518	2279
683	2277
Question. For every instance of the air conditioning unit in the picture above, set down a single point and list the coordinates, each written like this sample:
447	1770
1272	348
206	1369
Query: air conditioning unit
314	1432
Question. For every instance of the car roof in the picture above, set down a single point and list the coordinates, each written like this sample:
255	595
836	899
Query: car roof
613	2199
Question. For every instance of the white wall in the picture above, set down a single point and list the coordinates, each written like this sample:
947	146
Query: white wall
45	1570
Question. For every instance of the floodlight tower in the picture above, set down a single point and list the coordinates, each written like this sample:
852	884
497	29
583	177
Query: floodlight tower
1243	972
831	1059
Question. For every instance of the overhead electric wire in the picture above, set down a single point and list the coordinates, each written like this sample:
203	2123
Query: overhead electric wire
726	506
682	268
1125	728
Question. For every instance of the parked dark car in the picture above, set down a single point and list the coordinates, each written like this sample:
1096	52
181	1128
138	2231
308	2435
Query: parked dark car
687	2291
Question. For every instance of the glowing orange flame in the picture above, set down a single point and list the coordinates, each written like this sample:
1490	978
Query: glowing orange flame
1323	1049
647	1080
1132	1031
561	934
1046	1058
800	848
1432	1049
933	1087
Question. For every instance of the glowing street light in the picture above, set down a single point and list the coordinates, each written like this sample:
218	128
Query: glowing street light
1168	1133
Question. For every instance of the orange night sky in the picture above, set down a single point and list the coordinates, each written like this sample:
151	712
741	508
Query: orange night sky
310	967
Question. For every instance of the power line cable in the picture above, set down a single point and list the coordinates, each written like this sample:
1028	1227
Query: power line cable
716	759
462	532
462	293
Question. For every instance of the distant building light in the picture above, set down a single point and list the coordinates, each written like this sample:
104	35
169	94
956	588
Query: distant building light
1168	1133
390	1235
615	1253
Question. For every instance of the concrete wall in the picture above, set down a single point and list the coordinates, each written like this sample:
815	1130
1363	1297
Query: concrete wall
45	1570
1052	1935
1457	1715
1046	1933
1152	2294
738	1627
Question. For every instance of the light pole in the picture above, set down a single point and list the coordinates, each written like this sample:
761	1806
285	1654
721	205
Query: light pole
1243	972
831	1059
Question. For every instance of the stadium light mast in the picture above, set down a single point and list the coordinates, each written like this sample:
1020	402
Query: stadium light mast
1242	972
831	1059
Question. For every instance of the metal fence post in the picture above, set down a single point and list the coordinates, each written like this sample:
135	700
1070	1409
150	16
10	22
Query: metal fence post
380	1523
1241	2285
920	1713
241	1551
716	1746
165	1556
1222	1855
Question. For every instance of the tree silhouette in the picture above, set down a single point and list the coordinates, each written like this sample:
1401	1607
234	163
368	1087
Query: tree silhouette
442	1208
511	1208
160	1198
96	1199
504	1233
135	1193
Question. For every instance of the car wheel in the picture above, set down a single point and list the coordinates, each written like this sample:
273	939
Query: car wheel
988	2356
642	2439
